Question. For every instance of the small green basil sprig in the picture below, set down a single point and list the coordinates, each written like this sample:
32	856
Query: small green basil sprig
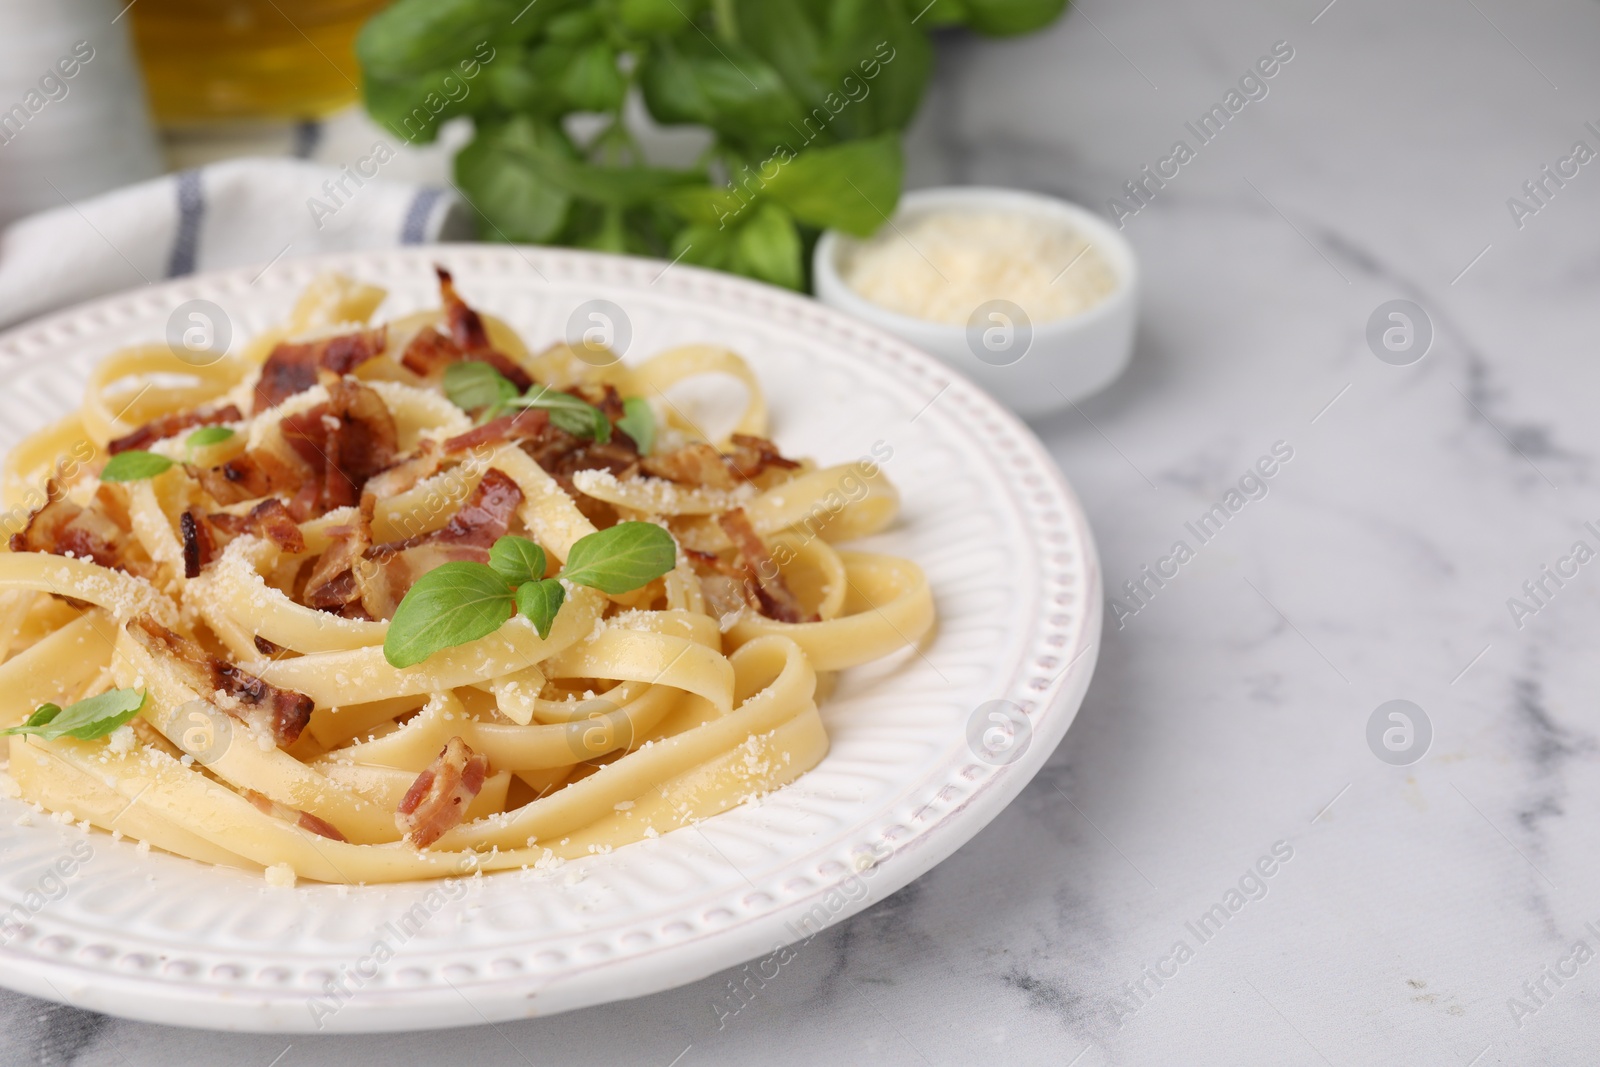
473	385
135	465
462	601
87	719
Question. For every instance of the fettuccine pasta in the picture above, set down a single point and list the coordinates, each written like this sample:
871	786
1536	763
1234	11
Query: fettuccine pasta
227	544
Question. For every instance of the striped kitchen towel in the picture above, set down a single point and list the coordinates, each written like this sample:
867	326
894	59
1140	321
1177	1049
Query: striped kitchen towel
243	212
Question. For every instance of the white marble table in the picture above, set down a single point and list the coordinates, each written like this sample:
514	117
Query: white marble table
1228	717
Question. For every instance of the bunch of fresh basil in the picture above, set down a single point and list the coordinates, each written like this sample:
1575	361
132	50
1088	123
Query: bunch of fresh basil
804	102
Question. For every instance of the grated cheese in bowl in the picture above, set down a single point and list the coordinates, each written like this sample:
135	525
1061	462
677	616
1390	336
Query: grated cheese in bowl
938	265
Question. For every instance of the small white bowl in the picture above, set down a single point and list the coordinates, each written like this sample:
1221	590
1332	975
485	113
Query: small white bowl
1034	367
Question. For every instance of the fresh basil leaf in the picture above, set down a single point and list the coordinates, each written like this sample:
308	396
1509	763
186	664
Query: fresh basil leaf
450	605
472	385
688	79
87	719
499	173
591	81
517	560
1004	18
639	423
858	67
567	412
767	247
945	13
208	435
410	38
622	558
852	187
614	186
575	27
43	714
134	465
704	246
540	601
416	109
515	82
603	229
707	205
647	17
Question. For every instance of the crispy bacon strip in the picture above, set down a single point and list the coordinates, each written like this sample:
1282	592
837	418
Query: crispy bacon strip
752	456
723	583
485	515
268	519
249	476
527	423
303	819
292	367
701	465
438	799
466	325
405	473
255	703
63	528
483	518
335	582
430	351
772	593
698	464
171	426
344	442
199	546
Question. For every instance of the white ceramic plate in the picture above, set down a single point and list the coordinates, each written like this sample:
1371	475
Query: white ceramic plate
987	515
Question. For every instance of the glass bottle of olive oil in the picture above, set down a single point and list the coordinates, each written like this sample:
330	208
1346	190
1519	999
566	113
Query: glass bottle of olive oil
210	60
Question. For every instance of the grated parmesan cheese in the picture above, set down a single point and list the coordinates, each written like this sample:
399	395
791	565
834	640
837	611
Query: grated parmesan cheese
941	265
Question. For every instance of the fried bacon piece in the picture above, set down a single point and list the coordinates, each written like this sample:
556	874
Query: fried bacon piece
199	546
171	426
764	579
527	423
249	476
293	365
253	702
466	325
485	515
702	466
354	575
438	799
431	351
483	518
268	519
205	536
405	473
698	464
603	396
335	583
722	582
303	819
470	335
64	528
752	456
344	442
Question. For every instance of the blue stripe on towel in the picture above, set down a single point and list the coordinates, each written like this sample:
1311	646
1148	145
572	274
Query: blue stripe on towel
415	228
191	206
